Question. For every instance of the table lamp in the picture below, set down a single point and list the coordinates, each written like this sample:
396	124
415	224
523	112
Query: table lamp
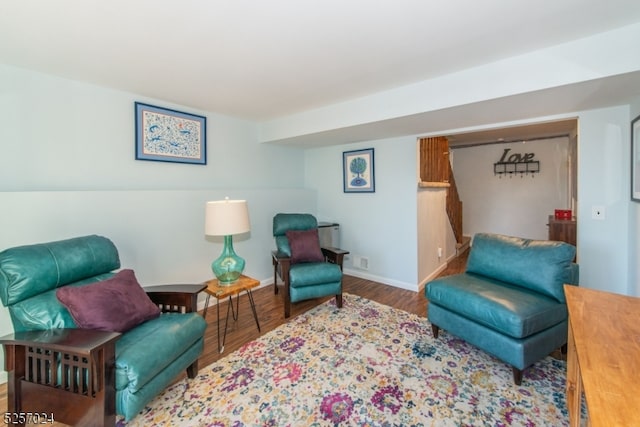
226	218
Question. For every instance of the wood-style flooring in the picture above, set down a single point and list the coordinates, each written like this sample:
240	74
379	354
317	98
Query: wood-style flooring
270	310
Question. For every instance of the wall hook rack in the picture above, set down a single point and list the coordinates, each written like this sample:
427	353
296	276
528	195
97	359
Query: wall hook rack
513	168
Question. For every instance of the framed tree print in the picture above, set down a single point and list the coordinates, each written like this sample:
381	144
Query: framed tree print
358	173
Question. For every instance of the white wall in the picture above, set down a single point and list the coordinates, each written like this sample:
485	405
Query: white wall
158	233
59	134
634	229
380	226
434	233
67	168
604	180
511	205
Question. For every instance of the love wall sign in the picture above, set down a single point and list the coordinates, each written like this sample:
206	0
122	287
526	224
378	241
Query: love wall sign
522	163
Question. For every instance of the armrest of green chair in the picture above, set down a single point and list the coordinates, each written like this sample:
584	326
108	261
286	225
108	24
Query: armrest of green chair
334	255
176	298
281	264
62	368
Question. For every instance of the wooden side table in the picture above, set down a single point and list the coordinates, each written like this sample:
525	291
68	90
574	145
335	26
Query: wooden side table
603	358
244	283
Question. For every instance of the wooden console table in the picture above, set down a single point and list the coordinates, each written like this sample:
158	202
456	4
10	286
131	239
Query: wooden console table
603	357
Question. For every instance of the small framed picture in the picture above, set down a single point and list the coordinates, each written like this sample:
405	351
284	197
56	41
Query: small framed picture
166	135
358	173
635	159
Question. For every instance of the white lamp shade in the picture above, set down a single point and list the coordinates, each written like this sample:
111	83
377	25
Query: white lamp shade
226	217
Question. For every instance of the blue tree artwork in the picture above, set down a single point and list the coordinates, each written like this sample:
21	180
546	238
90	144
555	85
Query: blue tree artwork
357	170
358	166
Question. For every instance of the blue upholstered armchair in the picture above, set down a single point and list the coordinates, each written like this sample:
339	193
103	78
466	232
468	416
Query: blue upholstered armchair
307	270
510	301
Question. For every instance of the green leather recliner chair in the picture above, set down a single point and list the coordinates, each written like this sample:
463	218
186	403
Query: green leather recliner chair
87	376
307	270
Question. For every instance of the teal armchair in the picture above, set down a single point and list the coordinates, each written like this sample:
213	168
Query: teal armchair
84	375
307	270
510	301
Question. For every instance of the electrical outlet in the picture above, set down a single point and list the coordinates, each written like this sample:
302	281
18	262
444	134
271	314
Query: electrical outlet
439	252
597	212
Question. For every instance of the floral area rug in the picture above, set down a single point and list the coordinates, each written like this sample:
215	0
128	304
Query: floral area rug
363	365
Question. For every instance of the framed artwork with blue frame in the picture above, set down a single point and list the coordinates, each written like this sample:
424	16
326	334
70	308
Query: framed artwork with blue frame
166	135
358	173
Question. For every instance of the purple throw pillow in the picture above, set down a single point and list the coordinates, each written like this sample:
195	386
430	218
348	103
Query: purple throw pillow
116	304
305	246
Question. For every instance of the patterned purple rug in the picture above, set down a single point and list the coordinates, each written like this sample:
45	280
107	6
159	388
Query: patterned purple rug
364	365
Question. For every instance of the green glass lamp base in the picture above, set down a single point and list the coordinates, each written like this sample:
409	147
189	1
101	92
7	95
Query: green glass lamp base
229	266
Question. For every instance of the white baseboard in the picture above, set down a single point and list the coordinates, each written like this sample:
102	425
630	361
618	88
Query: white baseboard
269	282
383	280
437	272
432	276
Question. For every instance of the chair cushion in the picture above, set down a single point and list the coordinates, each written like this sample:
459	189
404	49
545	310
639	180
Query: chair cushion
146	350
540	265
314	273
511	310
305	246
116	304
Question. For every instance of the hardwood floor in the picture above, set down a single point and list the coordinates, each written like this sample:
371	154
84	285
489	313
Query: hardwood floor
270	310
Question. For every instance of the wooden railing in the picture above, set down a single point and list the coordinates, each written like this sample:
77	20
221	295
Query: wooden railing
434	160
454	207
436	168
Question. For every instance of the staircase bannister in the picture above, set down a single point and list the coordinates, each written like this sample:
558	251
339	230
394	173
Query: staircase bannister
435	167
454	207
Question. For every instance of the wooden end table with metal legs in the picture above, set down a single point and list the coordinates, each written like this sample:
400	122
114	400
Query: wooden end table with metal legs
244	283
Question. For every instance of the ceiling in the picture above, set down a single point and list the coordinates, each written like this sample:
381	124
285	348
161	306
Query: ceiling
261	60
526	133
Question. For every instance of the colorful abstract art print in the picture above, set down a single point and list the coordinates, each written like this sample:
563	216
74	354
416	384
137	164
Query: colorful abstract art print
358	171
170	136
